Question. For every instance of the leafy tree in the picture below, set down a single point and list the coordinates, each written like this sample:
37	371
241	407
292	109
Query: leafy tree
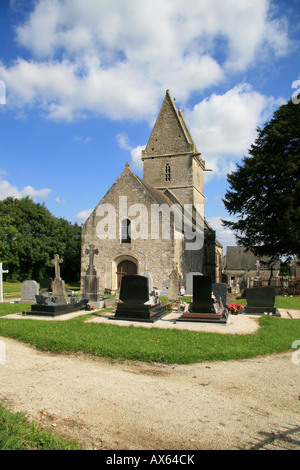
71	236
264	191
30	236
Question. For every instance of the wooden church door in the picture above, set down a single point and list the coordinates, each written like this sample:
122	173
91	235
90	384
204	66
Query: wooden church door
125	267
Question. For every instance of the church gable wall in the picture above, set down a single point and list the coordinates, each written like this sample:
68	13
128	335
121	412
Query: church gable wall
156	256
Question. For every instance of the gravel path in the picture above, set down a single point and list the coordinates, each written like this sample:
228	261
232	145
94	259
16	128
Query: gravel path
247	404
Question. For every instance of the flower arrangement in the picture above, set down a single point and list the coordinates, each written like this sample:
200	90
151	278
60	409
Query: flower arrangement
234	308
90	306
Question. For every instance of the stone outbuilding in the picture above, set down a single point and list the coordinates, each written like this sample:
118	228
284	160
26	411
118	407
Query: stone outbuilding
241	266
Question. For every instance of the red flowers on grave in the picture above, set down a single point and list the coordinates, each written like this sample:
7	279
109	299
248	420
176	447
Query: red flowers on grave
90	306
234	308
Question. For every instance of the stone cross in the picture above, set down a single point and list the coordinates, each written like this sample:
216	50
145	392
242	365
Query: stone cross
57	261
257	267
1	283
91	252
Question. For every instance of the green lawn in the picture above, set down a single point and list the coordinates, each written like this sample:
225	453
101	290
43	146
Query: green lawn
281	302
17	432
6	308
151	344
128	343
9	287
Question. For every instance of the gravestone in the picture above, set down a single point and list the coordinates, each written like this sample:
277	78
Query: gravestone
203	308
58	285
150	281
243	287
29	289
202	289
90	288
174	286
219	290
134	300
40	300
260	300
2	271
189	282
46	305
46	284
165	290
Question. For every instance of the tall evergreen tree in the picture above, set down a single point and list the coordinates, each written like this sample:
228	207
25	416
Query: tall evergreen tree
264	191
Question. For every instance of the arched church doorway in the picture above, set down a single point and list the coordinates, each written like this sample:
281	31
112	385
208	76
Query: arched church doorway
125	267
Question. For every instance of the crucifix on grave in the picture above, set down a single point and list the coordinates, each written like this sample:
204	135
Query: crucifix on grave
58	285
2	271
90	282
257	268
91	252
57	261
120	274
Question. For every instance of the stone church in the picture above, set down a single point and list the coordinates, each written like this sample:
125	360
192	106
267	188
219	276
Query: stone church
137	227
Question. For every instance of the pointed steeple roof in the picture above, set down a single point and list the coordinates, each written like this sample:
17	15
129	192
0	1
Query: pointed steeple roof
170	134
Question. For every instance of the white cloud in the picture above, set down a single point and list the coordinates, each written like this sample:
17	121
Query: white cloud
116	58
224	126
225	236
84	140
136	157
123	141
59	201
136	153
82	216
7	190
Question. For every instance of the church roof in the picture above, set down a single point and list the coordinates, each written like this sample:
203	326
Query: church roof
237	258
158	196
170	134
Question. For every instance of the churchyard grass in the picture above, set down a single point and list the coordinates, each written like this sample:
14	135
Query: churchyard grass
17	432
281	301
6	308
152	344
9	287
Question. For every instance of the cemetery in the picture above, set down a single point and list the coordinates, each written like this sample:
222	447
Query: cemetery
140	325
198	306
149	238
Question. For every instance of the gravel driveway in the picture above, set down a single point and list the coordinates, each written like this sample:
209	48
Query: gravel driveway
246	404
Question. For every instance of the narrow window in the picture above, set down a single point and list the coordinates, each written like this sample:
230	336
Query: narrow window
125	235
167	172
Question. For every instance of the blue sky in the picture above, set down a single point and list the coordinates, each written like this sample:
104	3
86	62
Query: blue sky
82	83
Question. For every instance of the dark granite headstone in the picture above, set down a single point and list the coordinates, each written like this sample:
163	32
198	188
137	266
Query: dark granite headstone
219	290
202	301
48	306
40	299
134	289
46	284
203	309
260	300
134	293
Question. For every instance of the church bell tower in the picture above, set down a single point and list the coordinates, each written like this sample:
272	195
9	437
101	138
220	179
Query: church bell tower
172	163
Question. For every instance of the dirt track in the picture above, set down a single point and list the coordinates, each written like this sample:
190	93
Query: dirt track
223	405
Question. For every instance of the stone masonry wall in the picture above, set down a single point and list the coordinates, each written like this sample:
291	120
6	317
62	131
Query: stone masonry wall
156	256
